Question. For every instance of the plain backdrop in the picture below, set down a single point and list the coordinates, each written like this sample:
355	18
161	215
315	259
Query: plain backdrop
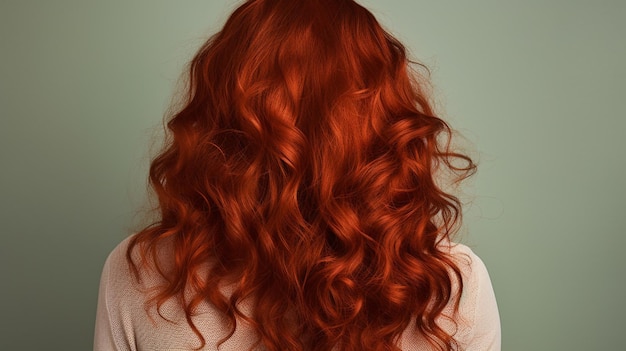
536	87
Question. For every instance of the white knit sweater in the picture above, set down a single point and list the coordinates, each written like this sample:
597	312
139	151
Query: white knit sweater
123	324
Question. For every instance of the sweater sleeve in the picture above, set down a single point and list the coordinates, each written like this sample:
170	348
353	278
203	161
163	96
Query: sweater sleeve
486	333
114	327
103	336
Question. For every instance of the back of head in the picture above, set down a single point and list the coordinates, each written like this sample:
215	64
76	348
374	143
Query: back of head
303	161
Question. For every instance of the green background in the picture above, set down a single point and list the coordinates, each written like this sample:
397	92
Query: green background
536	87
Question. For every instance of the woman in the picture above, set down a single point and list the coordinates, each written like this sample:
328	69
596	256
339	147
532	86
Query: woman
299	202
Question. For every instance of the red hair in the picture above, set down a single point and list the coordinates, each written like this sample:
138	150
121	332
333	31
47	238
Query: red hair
303	163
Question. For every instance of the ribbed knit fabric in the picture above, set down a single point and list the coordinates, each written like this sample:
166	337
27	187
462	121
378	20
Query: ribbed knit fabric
122	322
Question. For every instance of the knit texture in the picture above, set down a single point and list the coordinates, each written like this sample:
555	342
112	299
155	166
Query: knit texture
122	322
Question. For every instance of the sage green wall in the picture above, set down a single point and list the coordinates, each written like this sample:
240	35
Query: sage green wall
538	88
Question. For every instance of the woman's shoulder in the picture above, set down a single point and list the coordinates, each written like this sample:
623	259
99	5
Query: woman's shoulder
116	302
478	310
473	271
470	264
118	254
162	248
116	263
125	322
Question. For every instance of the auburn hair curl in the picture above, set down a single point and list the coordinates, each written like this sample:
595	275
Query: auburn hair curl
303	163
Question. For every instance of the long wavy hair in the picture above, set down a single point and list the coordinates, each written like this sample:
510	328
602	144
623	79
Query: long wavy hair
303	163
